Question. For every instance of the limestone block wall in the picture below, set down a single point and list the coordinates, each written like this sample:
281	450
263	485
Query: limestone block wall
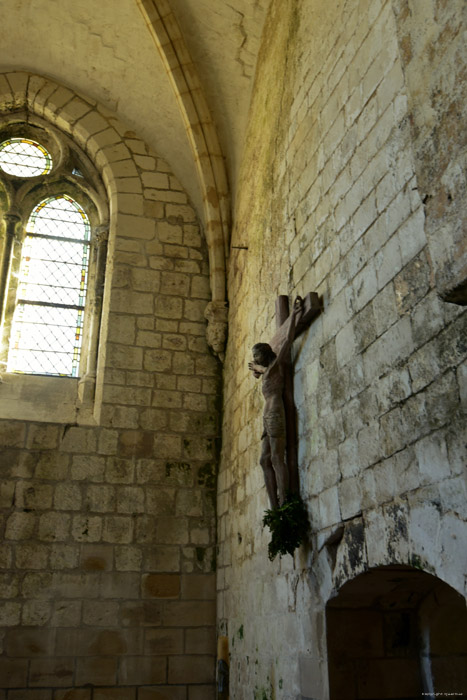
329	202
432	48
108	524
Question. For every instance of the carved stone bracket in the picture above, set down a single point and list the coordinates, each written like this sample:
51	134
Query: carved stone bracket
216	313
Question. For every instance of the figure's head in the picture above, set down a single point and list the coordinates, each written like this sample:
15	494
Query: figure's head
263	354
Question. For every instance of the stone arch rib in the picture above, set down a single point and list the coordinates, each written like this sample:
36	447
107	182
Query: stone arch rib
86	122
202	135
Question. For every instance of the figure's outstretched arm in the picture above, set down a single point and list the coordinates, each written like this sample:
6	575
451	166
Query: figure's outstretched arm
257	370
293	318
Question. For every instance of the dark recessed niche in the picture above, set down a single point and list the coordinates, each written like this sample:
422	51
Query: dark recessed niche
457	295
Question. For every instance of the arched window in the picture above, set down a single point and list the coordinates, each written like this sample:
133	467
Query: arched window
47	325
52	265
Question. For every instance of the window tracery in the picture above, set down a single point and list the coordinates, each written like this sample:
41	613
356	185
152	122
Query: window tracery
52	253
24	158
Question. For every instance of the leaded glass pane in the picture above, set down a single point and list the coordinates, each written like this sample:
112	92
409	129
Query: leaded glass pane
47	323
59	216
45	340
24	158
53	271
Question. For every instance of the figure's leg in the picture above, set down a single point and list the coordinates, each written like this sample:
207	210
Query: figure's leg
280	467
268	471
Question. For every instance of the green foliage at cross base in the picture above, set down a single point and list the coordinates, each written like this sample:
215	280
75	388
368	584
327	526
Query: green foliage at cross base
288	525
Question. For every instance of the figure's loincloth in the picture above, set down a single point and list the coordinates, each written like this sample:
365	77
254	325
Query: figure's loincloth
274	424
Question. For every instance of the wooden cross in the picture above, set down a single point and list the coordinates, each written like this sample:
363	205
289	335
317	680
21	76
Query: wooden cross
312	307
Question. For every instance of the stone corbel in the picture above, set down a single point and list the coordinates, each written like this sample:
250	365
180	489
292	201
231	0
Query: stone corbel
216	313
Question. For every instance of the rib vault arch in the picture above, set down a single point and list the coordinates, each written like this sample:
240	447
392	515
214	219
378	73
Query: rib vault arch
207	154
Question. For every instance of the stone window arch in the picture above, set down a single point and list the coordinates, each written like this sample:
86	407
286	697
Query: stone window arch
43	171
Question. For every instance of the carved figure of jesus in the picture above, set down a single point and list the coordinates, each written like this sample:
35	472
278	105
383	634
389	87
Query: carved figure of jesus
270	367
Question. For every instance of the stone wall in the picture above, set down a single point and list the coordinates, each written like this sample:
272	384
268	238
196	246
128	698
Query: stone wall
432	48
329	202
108	525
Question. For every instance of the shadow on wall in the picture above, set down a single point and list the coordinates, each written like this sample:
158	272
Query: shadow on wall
396	632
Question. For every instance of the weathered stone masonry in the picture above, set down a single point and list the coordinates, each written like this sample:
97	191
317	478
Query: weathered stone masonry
331	201
108	530
350	182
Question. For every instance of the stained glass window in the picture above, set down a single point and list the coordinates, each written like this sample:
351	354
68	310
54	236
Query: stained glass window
48	319
24	158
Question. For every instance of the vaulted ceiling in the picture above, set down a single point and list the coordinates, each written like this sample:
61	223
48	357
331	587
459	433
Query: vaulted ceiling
106	51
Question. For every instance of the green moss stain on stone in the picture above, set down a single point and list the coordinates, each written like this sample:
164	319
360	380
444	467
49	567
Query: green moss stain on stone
207	476
418	563
178	473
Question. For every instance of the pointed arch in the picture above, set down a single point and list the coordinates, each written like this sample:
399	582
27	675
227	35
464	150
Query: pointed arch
207	153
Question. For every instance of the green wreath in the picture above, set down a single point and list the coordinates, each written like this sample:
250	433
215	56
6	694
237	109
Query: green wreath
288	524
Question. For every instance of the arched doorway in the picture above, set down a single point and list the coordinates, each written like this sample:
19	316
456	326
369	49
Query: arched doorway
396	632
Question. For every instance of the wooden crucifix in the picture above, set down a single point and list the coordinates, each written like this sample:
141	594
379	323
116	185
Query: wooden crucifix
273	362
